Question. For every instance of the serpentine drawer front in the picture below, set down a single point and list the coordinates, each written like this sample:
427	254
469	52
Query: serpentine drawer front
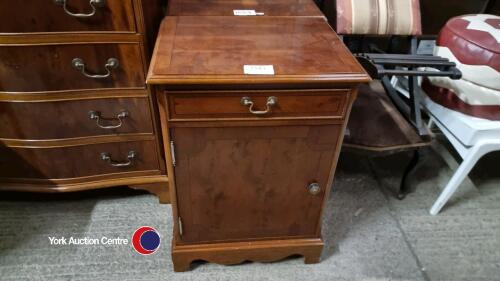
75	110
78	161
252	130
66	16
258	104
68	67
74	118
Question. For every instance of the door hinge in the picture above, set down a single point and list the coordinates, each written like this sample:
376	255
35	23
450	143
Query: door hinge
172	152
180	226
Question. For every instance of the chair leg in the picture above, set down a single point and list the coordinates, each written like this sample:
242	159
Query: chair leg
455	181
476	152
431	123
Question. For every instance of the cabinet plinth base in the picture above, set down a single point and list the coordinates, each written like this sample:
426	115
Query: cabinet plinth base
237	252
157	185
161	190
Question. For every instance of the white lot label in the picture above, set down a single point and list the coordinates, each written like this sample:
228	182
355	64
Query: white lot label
245	13
258	69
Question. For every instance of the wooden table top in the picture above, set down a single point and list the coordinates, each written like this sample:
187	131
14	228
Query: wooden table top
226	7
214	50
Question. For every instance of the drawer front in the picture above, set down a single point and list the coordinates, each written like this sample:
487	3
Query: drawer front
78	161
264	104
22	16
66	67
74	118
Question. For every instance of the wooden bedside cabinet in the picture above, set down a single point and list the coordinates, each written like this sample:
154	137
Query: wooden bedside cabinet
226	7
251	157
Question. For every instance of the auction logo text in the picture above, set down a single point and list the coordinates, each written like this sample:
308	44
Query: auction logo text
87	241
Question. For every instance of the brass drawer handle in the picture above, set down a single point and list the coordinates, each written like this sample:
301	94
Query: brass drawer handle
96	115
314	188
93	4
271	101
107	158
79	64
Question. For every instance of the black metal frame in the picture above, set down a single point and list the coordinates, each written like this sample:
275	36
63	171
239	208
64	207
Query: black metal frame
404	187
384	66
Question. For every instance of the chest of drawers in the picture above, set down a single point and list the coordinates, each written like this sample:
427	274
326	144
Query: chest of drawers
305	8
251	157
75	111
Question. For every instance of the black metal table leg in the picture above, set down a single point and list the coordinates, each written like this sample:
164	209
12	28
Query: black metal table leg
404	187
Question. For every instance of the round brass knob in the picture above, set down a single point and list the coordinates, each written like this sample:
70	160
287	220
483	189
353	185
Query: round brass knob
314	188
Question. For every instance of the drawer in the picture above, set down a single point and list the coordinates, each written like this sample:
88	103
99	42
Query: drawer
74	66
258	104
22	16
74	118
78	161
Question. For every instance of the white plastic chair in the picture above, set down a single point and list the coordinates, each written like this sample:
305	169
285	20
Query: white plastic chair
472	138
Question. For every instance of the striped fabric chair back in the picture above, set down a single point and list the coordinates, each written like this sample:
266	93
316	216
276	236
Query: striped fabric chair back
378	17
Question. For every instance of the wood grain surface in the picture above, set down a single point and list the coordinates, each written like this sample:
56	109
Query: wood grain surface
260	174
48	142
213	50
26	16
70	119
238	252
225	7
75	161
227	104
49	67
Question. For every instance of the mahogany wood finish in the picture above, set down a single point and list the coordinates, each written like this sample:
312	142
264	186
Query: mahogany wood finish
225	7
22	16
136	180
302	50
261	174
153	12
76	161
157	189
50	141
292	104
230	253
49	67
71	119
248	186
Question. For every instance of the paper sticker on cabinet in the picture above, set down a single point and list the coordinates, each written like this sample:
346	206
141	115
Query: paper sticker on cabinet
258	69
247	13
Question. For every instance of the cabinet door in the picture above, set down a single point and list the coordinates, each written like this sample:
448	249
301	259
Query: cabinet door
239	183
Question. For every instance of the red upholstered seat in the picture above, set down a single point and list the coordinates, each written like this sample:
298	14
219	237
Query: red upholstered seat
473	43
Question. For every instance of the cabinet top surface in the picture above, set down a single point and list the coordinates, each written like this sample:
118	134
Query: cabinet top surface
214	50
226	7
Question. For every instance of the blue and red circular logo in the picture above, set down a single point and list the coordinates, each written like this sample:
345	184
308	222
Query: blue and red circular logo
146	240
